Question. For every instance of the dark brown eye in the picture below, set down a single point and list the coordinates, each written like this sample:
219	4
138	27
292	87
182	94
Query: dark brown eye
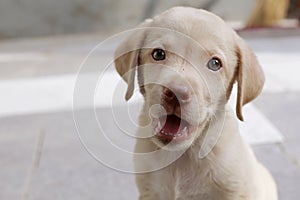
214	64
158	54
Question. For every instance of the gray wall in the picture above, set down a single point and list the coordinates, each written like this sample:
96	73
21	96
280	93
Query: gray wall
23	18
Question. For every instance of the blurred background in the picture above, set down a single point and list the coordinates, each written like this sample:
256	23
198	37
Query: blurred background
31	18
43	44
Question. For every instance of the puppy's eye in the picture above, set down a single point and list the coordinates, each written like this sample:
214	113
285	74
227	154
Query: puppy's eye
214	64
158	54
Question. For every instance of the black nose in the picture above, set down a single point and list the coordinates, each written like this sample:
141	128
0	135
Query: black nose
180	93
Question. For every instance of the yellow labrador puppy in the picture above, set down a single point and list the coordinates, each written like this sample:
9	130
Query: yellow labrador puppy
189	147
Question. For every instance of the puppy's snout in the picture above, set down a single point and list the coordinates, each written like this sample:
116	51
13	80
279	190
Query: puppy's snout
179	93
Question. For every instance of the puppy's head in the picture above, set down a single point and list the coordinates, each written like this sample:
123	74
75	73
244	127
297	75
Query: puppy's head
187	61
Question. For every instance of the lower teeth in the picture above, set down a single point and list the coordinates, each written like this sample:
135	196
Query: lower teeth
183	132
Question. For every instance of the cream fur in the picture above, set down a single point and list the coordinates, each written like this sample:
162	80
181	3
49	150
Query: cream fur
217	163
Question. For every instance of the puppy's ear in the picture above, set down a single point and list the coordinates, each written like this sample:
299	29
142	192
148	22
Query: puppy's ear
126	56
250	76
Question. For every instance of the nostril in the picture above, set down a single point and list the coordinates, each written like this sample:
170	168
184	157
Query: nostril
184	97
168	94
179	92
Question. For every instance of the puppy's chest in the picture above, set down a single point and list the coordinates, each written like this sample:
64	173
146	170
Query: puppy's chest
191	184
179	182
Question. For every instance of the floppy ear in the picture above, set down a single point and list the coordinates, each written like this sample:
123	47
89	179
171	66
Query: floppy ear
126	57
250	76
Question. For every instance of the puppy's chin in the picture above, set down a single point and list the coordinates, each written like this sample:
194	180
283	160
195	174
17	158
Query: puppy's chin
173	146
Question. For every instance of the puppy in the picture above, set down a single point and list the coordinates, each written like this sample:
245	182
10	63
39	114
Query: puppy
189	147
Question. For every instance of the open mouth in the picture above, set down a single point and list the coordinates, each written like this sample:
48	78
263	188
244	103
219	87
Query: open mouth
172	128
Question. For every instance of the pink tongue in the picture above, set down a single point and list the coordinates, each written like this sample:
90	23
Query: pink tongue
172	124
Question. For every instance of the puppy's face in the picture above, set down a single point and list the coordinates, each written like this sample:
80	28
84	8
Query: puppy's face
184	83
187	61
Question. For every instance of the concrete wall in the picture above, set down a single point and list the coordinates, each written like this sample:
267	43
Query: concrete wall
23	18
